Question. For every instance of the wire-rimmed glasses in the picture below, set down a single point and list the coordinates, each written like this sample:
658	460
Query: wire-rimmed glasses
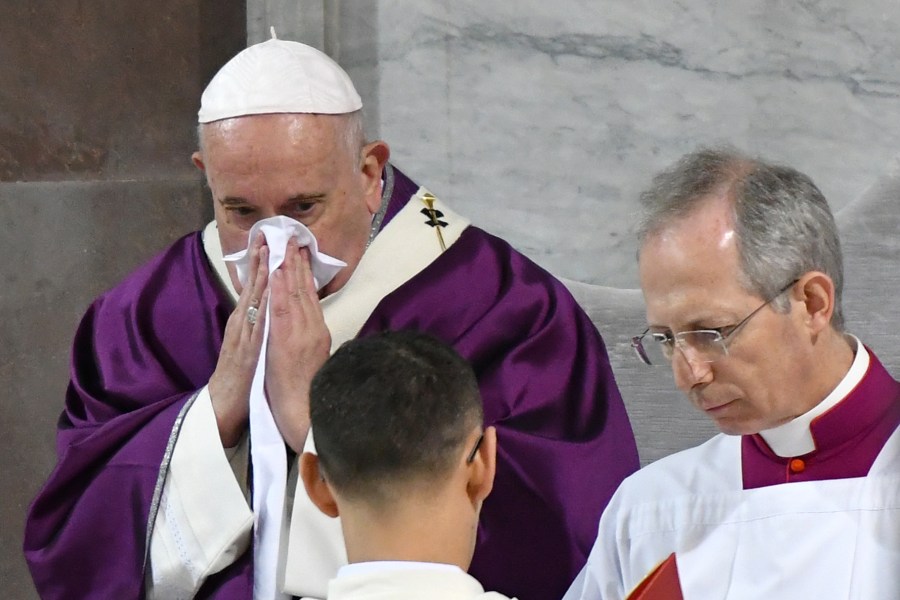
702	345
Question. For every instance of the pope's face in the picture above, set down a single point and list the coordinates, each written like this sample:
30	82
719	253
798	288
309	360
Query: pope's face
296	165
689	276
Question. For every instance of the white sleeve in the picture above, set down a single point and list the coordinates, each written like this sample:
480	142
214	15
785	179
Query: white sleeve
601	578
204	521
577	588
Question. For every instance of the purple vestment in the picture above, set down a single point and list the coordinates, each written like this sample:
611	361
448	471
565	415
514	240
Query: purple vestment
147	345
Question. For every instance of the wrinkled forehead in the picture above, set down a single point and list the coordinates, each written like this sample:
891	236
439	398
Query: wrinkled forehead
274	143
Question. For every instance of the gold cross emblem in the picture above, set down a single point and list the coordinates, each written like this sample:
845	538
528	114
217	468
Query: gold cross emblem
434	217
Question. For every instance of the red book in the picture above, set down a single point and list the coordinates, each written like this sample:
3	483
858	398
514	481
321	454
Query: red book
661	584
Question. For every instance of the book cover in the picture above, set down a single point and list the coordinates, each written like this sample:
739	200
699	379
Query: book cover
661	583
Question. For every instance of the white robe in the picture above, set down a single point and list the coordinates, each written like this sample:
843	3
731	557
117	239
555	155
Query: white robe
406	581
825	540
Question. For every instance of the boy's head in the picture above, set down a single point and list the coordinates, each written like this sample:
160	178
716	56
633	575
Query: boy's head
397	420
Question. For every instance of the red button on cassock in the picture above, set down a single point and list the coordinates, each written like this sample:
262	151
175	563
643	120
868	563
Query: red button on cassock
797	465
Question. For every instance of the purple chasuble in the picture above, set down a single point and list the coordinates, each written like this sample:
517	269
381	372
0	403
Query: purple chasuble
144	348
848	437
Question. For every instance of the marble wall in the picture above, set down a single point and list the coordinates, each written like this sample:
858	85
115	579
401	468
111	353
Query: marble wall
544	120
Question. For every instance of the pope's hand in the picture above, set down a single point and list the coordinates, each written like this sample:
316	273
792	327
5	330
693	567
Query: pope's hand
229	386
299	344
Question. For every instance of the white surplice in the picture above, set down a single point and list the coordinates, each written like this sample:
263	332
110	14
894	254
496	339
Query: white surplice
829	540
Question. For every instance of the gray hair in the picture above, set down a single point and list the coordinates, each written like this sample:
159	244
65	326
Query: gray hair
354	137
783	223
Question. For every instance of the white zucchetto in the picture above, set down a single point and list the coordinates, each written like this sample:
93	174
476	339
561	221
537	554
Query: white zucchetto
278	76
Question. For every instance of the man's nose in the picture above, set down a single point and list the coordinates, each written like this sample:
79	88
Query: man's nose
689	369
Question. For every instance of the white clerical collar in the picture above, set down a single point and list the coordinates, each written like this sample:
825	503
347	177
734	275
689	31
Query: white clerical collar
376	566
794	437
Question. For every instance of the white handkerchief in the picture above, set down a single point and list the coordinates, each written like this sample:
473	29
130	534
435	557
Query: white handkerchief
267	450
278	230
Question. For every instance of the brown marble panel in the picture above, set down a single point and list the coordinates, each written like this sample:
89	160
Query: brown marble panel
98	106
62	244
107	89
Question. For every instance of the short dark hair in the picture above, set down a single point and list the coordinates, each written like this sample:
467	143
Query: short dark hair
783	223
391	408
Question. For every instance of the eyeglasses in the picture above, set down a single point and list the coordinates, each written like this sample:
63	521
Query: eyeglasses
703	345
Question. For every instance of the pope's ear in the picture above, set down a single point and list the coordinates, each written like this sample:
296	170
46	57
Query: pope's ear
373	157
197	159
316	487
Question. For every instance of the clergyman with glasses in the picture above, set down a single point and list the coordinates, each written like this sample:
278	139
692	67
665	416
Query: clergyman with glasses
799	496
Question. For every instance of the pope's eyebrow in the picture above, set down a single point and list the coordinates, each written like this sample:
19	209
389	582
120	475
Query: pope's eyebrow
232	201
239	201
314	197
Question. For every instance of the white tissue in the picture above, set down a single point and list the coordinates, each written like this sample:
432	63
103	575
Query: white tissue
278	230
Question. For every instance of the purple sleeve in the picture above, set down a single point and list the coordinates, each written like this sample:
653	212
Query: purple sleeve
565	442
141	350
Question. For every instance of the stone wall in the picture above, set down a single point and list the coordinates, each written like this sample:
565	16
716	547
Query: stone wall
98	106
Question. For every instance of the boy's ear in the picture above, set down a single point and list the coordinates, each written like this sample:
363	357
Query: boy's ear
483	467
317	488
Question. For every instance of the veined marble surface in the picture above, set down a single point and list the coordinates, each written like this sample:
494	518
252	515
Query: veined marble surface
543	121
